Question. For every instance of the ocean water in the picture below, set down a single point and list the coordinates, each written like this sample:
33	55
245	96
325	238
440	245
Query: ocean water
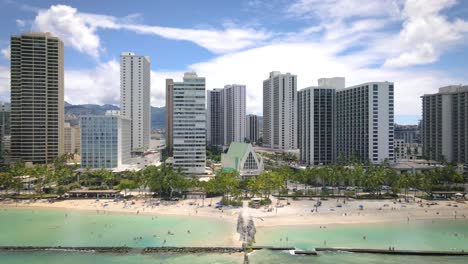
26	227
80	258
55	227
416	235
268	257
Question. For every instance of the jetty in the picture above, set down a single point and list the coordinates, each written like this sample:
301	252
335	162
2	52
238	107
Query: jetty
395	251
228	250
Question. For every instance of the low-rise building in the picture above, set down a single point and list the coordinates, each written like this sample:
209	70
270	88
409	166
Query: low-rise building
242	157
407	151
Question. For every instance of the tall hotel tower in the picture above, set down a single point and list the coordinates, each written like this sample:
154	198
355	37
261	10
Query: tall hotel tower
365	124
226	115
135	98
445	124
316	121
280	111
189	124
37	104
169	115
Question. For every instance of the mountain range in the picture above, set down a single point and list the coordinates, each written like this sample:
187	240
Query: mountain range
158	114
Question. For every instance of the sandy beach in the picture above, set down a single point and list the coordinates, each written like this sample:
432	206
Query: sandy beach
300	212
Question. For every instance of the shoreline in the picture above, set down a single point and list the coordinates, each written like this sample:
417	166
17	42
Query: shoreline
297	214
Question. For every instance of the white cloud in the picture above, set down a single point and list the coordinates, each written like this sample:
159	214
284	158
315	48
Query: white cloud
20	23
79	30
343	9
426	33
4	83
217	41
99	85
75	29
6	52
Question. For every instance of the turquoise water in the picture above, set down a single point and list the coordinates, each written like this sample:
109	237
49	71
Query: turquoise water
81	258
25	227
417	235
267	257
56	227
259	257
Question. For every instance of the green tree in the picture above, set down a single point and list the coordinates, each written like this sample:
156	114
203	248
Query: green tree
125	185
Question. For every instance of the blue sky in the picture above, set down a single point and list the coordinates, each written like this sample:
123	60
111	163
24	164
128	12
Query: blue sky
420	45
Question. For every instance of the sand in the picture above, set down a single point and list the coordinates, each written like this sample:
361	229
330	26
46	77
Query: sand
297	213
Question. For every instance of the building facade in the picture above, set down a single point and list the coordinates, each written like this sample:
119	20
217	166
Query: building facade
407	151
105	141
252	126
365	123
189	127
169	115
226	115
72	139
135	98
37	97
5	123
215	117
408	133
280	111
444	125
316	125
234	113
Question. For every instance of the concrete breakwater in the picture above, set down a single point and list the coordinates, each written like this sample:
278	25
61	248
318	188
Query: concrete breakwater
394	251
225	250
150	250
122	250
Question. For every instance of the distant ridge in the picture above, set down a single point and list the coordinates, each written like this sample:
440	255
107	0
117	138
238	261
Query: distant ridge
158	114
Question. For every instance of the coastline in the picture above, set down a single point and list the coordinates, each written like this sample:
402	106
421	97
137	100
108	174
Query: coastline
299	213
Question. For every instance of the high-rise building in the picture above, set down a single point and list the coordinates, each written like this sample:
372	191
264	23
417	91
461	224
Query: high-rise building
280	111
72	139
226	115
135	98
4	132
445	124
169	115
316	128
252	126
37	103
260	126
234	113
189	127
215	117
408	133
105	141
365	122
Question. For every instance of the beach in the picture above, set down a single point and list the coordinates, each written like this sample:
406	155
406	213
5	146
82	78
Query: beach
299	212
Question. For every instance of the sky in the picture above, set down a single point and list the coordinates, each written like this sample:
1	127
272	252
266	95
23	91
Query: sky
420	45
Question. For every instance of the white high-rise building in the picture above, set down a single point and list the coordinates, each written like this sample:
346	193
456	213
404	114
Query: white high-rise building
280	111
189	124
135	97
234	113
226	115
365	122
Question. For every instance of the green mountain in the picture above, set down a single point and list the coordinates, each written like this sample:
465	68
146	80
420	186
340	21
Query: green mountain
158	114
